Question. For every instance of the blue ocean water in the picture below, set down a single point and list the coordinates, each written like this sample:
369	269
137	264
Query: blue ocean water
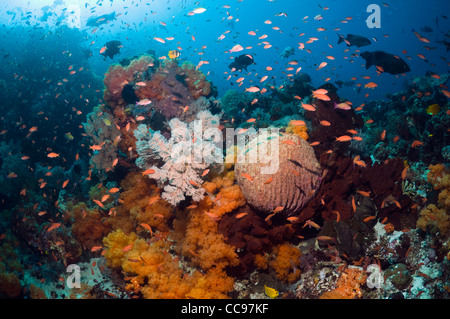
52	77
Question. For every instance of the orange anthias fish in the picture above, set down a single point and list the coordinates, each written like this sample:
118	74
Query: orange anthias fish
52	155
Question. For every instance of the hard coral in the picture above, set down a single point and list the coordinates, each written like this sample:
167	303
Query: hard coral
292	180
196	80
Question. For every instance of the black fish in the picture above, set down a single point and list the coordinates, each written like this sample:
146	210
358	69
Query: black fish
103	19
426	29
112	48
389	62
446	43
352	39
242	62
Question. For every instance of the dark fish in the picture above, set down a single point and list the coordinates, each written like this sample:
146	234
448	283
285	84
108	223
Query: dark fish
446	43
112	48
389	62
352	39
242	62
103	19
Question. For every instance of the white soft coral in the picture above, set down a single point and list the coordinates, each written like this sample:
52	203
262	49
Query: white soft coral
191	149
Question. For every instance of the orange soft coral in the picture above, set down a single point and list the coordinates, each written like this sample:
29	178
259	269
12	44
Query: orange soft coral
300	130
88	225
348	285
434	218
286	262
142	202
157	274
197	232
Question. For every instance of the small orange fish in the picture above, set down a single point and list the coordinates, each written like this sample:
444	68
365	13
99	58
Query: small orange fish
238	216
147	226
127	248
368	218
105	198
289	142
308	107
324	238
416	144
95	147
12	175
65	183
247	176
148	172
297	123
52	155
212	216
366	194
99	203
252	89
53	226
325	123
96	248
194	183
310	223
371	85
153	200
405	170
383	135
322	97
278	209
269	180
113	190
343	138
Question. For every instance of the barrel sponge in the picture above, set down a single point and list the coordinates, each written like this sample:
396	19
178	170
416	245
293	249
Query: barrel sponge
290	185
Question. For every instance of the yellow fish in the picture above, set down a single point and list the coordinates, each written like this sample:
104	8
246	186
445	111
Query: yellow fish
69	136
433	109
271	292
107	122
173	54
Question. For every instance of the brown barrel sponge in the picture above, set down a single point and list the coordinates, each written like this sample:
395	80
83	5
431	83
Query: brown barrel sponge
290	184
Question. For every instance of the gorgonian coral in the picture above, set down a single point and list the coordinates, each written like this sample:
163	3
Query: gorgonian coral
190	150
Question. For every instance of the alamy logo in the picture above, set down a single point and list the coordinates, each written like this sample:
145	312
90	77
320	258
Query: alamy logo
374	20
73	280
375	279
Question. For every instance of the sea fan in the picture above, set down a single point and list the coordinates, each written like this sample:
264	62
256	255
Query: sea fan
191	149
